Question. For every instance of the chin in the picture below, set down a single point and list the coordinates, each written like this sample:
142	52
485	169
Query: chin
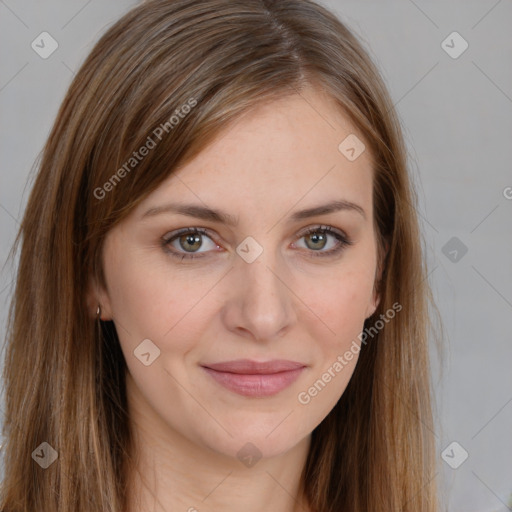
250	438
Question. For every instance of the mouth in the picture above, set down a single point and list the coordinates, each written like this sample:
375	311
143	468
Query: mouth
255	379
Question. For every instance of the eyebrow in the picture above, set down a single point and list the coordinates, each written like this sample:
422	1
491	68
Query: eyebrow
202	212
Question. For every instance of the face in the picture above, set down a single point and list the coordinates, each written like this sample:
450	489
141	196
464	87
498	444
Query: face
234	326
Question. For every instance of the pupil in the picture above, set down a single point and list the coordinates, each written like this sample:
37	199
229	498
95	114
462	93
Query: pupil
191	239
318	237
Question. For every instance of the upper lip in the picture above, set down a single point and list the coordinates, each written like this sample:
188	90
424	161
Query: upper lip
248	367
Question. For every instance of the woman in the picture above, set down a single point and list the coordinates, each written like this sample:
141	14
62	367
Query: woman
221	297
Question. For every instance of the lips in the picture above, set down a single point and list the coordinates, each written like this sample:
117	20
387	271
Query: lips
246	366
255	379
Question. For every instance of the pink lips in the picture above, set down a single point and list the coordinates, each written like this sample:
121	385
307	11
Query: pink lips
250	378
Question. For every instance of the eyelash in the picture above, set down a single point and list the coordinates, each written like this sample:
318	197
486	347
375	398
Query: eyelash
342	239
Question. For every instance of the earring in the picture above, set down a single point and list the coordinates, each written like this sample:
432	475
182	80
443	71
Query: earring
98	313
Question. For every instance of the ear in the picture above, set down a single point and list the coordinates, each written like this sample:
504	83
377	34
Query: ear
376	296
373	305
97	296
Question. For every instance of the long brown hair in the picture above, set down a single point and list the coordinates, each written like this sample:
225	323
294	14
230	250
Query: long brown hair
65	373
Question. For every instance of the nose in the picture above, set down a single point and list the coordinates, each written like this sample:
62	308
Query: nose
261	303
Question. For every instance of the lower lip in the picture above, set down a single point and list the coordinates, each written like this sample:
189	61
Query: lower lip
255	385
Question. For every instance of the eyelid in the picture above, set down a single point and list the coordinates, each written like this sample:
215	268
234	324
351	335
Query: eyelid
173	235
321	227
343	239
341	236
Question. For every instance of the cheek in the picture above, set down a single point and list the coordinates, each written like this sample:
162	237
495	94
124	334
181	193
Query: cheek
341	308
341	305
148	302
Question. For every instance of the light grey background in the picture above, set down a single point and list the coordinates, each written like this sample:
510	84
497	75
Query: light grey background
457	119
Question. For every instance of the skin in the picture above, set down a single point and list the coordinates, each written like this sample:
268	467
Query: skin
287	304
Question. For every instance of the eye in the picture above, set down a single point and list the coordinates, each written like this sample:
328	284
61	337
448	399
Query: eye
188	240
316	238
185	243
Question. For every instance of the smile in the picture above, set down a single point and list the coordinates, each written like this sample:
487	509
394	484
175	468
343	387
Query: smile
250	378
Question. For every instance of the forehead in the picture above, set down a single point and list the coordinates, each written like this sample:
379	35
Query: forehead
280	153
